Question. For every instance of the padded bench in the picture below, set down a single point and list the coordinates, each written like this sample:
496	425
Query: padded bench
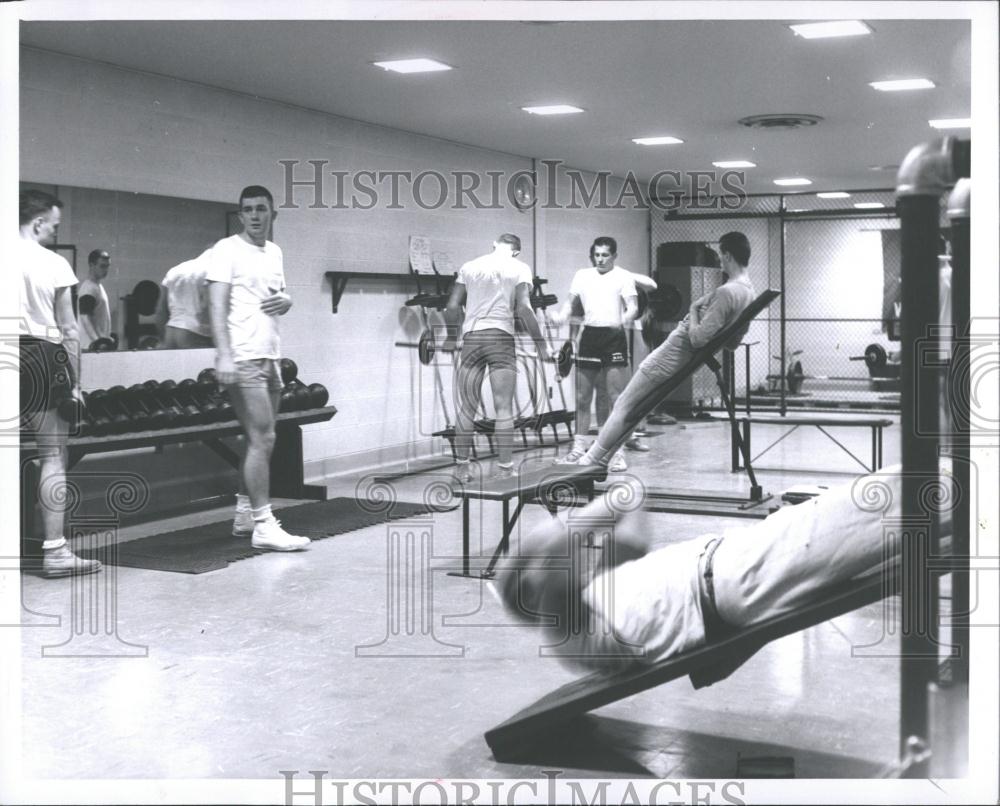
547	484
287	472
795	421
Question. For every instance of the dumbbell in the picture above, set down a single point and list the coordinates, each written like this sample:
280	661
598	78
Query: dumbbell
318	395
288	401
102	345
189	392
289	371
119	400
209	389
72	411
100	402
97	423
168	393
158	415
303	397
174	415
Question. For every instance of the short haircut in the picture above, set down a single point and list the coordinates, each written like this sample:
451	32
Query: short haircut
34	203
95	255
511	240
737	245
604	240
253	191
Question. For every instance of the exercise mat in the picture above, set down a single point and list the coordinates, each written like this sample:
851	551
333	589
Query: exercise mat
209	547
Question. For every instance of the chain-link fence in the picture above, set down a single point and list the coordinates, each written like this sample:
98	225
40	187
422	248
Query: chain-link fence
829	341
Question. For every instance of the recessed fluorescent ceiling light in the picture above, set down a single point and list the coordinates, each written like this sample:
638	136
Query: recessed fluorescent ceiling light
666	140
735	164
413	66
951	123
902	84
797	180
821	30
869	205
833	194
555	109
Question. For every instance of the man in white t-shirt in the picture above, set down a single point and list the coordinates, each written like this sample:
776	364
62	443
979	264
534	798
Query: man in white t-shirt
708	314
607	297
247	295
185	300
92	299
495	291
50	370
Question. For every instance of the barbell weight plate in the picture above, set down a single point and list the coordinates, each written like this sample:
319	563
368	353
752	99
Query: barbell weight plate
426	348
876	356
667	303
565	359
795	377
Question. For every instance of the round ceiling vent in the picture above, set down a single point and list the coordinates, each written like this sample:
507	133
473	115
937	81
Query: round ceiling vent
787	120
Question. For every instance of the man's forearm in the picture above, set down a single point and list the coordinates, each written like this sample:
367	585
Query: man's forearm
218	310
453	322
527	316
71	341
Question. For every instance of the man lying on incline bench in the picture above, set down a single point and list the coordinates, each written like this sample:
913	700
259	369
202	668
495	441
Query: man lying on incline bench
708	315
624	603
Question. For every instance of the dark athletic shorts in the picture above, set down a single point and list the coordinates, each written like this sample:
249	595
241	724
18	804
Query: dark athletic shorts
492	348
608	344
46	381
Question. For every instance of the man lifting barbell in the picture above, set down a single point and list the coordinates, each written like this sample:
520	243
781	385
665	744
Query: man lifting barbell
605	297
494	290
708	315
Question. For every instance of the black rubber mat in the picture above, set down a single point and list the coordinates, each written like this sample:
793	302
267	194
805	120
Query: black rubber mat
212	546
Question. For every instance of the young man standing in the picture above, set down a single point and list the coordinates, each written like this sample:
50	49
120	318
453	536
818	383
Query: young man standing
708	315
50	369
247	295
95	311
607	295
495	291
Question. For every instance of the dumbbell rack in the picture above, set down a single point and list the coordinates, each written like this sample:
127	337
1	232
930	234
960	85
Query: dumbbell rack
287	471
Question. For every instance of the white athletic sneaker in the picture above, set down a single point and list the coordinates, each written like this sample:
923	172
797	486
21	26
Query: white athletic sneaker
618	463
243	523
269	535
636	444
578	451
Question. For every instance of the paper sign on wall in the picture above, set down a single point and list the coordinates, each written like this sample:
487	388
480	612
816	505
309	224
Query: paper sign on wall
443	264
420	254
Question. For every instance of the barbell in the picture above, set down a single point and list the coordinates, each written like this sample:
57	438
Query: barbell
564	359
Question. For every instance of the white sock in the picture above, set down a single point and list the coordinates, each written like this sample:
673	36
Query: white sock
596	455
262	514
58	543
242	502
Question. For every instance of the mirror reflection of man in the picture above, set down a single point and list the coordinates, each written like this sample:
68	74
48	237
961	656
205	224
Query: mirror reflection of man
92	299
184	306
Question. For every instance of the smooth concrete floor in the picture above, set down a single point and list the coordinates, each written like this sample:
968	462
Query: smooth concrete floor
291	661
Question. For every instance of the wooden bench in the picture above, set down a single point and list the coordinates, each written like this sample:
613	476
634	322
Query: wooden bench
796	421
287	472
547	484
